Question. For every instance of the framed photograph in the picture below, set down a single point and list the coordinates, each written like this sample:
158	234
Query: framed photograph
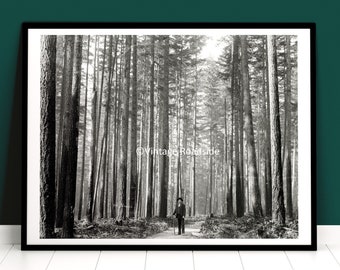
169	136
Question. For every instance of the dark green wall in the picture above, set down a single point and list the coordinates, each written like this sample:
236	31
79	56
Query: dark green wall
325	13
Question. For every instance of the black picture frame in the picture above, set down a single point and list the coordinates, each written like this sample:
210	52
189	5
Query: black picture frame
25	245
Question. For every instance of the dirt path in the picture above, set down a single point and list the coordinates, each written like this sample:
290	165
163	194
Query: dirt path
191	231
169	234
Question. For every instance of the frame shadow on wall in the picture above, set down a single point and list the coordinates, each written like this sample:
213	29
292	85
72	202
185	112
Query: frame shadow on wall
10	209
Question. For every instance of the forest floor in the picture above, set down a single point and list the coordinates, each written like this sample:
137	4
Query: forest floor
170	234
129	228
245	227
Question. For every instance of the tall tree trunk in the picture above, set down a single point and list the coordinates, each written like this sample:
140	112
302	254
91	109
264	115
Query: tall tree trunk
185	124
72	149
210	171
237	190
206	201
112	135
60	185
100	143
287	165
107	169
47	137
115	161
139	207
90	201
231	163
295	179
178	111
157	129
122	173
234	131
241	181
69	51
106	125
268	142
101	90
81	195
66	85
178	107
278	209
97	185
133	134
225	175
193	187
265	138
238	128
150	162
61	118
255	199
164	134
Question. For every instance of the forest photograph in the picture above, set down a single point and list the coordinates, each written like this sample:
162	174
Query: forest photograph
169	136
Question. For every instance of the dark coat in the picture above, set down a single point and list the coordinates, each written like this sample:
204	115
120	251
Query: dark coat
180	211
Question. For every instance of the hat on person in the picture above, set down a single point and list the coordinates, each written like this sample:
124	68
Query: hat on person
179	199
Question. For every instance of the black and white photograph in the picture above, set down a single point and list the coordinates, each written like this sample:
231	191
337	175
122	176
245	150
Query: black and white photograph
169	136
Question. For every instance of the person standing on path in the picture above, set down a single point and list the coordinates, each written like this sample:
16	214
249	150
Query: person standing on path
179	213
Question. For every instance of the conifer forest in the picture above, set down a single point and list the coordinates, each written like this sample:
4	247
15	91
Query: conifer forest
130	123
